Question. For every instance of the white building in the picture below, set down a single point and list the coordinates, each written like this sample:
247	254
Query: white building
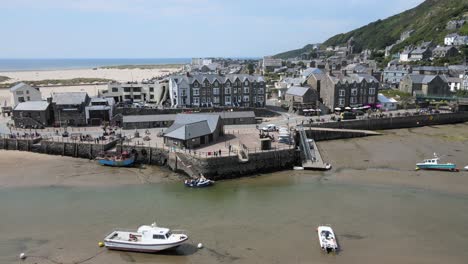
388	104
449	39
24	93
150	91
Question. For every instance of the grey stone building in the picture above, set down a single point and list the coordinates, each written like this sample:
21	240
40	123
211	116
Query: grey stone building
33	114
425	85
69	108
444	52
152	91
345	90
193	130
99	110
298	97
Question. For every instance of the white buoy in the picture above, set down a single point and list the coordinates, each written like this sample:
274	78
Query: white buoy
22	256
200	245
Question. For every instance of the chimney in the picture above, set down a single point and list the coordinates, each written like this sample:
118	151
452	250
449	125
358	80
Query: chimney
313	64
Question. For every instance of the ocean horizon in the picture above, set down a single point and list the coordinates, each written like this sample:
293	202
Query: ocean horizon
85	63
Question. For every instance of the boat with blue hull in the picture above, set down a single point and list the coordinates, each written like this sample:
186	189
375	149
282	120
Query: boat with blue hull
117	160
433	164
198	183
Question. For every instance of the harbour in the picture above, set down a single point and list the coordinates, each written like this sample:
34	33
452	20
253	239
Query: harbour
379	207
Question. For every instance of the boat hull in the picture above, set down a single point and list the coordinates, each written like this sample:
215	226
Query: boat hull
438	167
114	163
122	246
198	185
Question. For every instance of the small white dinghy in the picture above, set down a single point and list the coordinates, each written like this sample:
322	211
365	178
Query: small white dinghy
466	168
327	239
146	239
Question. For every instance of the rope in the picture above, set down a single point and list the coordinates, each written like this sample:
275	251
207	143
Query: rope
57	262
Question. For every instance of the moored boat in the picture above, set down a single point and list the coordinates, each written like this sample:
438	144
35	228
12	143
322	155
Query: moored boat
117	160
198	183
433	164
146	239
466	168
327	239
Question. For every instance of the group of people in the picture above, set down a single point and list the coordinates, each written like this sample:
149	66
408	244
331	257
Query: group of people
25	135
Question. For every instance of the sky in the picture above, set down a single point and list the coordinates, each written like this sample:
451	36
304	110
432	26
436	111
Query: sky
178	28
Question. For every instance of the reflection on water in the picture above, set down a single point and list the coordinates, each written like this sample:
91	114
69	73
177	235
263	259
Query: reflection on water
266	219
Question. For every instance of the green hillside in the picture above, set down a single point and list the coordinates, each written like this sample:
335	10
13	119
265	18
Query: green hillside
428	20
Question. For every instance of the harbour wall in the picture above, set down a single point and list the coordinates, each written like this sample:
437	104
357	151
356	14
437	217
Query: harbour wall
397	122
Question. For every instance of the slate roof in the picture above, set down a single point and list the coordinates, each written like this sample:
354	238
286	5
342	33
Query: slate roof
356	77
220	78
297	90
383	99
19	85
73	98
188	126
424	79
309	71
32	106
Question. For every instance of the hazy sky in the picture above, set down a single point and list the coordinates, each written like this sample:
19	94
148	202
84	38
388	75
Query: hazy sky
178	28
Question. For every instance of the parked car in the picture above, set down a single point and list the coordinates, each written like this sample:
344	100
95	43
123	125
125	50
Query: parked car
348	115
270	128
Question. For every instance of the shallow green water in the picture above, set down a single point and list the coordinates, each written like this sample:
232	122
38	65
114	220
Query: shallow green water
268	219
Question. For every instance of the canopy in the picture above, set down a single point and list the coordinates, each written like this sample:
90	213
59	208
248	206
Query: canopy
318	110
338	109
305	110
347	108
366	107
311	110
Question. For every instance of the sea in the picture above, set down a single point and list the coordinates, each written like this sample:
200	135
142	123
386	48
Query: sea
61	64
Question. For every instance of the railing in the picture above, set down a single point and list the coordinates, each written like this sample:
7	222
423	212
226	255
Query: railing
305	144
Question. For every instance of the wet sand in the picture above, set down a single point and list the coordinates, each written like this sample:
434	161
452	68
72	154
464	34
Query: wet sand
381	209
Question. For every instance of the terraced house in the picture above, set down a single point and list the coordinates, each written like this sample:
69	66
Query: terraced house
210	90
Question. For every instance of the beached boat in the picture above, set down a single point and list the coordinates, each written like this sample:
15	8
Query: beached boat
198	183
433	164
146	239
466	168
117	160
327	239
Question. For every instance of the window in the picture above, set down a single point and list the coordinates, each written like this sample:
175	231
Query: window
19	92
159	237
137	97
246	98
354	92
216	84
195	84
342	92
246	83
20	99
353	100
341	102
227	90
151	96
196	92
184	92
115	89
371	99
29	98
216	100
228	84
235	90
260	91
227	99
196	100
137	89
239	99
207	84
246	90
371	91
203	92
151	89
27	91
127	89
203	100
128	97
215	91
261	99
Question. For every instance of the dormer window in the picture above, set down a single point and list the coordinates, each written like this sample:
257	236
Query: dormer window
195	84
246	83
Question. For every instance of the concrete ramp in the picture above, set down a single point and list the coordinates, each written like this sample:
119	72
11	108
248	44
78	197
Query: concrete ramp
320	134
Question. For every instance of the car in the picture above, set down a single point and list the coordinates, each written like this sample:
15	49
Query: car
348	115
270	128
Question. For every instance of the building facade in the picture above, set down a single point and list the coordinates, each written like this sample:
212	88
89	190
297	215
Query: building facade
211	90
155	91
24	93
299	97
425	85
394	74
69	108
33	114
345	90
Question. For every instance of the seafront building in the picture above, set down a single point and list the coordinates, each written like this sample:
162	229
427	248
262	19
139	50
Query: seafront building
69	108
210	90
154	91
23	93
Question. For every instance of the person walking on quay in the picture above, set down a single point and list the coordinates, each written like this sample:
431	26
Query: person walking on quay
220	152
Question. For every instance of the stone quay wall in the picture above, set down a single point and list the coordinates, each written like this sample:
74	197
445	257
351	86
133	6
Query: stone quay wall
323	135
398	122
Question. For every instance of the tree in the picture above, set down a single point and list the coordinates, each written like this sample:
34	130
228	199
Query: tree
250	68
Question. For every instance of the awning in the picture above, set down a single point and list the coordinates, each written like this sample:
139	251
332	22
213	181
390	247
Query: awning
338	109
311	110
347	108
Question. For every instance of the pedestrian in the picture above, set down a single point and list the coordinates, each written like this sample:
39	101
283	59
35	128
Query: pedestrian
220	152
229	148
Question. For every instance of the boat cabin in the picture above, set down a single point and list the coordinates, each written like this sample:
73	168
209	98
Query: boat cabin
431	161
154	233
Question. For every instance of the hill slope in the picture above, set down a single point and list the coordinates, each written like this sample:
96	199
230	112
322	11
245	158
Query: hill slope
428	20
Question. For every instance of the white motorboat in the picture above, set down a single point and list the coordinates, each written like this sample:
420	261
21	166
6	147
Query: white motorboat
146	239
327	239
466	168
